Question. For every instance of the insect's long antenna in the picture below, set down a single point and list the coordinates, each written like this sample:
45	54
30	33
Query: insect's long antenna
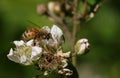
32	23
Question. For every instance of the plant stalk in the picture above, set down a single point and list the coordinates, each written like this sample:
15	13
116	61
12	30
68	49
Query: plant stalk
75	26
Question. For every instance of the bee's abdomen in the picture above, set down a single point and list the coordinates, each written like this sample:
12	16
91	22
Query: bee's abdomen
29	34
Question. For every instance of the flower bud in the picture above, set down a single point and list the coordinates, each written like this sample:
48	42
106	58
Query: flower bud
91	15
54	7
41	9
82	46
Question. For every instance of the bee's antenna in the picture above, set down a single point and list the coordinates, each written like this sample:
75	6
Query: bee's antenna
32	23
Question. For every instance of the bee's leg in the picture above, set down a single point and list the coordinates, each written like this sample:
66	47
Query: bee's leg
46	48
34	42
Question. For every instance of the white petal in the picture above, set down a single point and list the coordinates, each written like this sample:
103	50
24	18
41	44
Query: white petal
67	54
19	43
36	52
66	69
11	52
65	64
46	28
13	56
82	49
29	43
56	32
23	59
83	40
45	73
87	45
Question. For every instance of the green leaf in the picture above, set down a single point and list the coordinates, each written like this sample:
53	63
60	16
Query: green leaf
75	73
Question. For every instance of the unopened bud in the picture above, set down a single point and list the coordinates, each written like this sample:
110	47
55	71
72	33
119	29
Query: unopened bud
96	8
41	9
82	47
54	7
91	15
67	7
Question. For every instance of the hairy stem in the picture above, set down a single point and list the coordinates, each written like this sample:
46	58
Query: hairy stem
75	26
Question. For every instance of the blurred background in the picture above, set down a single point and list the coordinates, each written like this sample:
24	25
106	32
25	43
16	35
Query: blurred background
103	33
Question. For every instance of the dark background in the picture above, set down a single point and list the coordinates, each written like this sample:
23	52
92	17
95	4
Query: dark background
103	33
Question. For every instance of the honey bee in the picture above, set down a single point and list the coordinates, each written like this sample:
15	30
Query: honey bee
30	34
37	34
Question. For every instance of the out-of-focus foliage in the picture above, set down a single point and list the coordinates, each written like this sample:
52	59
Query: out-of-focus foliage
102	31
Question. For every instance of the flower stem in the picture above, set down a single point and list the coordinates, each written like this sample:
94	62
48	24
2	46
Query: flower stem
76	23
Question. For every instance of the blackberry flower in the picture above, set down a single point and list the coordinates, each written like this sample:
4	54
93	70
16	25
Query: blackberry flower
24	53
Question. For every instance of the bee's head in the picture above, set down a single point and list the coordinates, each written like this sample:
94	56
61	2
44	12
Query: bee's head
48	36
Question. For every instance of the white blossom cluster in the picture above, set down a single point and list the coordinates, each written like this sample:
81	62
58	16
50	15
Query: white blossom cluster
48	55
